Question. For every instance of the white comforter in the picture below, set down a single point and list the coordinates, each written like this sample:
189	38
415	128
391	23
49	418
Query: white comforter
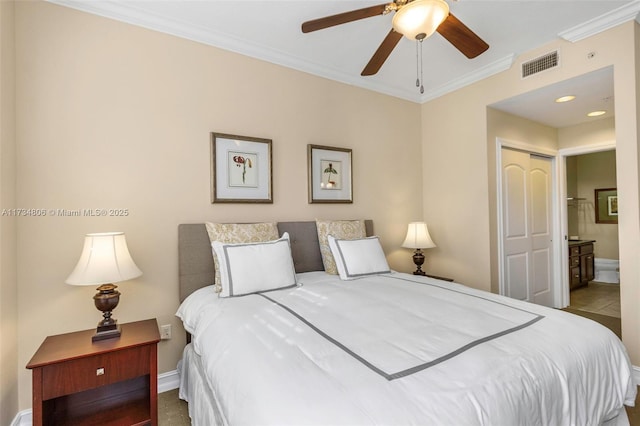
398	349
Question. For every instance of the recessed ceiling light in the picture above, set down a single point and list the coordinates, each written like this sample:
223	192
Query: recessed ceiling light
565	99
596	113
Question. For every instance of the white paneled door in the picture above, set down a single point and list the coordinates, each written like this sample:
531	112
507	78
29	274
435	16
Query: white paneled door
527	227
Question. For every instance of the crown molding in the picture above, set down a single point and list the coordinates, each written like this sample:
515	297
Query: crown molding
602	23
127	12
124	11
480	74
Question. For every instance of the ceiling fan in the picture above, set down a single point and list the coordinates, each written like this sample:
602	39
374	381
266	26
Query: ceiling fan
414	19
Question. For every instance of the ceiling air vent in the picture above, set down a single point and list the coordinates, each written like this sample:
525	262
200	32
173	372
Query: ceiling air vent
542	63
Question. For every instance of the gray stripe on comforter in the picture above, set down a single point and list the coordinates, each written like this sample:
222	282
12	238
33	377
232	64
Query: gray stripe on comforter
419	367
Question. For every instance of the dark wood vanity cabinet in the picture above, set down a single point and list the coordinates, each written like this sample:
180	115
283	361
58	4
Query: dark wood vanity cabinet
580	263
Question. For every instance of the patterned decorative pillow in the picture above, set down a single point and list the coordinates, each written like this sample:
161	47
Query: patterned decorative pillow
239	233
340	229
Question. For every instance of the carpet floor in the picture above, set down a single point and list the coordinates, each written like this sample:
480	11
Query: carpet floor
172	411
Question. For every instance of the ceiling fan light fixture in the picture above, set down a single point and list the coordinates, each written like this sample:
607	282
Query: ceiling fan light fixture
420	18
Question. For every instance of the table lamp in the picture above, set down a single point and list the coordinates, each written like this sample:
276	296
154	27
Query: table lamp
418	238
105	260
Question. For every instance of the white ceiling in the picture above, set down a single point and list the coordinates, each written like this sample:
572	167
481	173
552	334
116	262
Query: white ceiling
270	30
593	92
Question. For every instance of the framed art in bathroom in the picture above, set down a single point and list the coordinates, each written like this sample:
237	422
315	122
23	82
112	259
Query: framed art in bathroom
606	205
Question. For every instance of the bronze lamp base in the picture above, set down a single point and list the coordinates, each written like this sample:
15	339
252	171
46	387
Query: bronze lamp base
106	300
418	259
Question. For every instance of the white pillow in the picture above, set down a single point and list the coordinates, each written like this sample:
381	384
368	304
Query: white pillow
343	229
239	233
253	267
358	258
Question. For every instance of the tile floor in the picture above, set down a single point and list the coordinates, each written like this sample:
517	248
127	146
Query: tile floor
598	298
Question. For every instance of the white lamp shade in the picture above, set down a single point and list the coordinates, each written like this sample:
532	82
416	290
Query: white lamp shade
418	236
420	17
105	259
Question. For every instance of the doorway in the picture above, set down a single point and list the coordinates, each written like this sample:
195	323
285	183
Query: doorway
555	130
588	175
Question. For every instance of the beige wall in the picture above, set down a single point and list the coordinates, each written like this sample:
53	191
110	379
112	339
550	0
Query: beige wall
115	116
595	171
590	133
8	284
572	192
627	167
457	164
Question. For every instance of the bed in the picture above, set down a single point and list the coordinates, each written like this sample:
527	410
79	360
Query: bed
385	348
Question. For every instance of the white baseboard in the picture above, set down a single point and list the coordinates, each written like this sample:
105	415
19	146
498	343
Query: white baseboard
171	380
23	418
166	382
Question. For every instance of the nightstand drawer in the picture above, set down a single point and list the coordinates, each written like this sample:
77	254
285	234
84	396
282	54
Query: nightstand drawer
90	372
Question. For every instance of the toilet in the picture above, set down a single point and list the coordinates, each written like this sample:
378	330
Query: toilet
607	270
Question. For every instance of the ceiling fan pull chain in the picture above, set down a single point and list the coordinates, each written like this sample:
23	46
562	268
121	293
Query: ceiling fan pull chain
421	70
417	66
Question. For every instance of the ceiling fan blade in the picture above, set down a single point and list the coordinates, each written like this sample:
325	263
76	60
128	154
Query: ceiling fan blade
343	18
383	52
465	40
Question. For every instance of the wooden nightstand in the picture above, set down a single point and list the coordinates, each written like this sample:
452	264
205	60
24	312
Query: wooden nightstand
108	382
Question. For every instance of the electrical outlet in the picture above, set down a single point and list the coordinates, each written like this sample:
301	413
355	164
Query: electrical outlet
165	332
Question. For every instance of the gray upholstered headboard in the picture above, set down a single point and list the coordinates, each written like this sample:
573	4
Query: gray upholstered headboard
195	260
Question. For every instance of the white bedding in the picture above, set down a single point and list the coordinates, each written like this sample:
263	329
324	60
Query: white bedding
399	349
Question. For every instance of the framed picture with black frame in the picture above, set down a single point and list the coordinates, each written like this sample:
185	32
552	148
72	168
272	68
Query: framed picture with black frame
606	205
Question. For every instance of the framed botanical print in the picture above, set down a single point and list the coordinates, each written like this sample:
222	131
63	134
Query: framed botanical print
606	204
241	170
329	174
